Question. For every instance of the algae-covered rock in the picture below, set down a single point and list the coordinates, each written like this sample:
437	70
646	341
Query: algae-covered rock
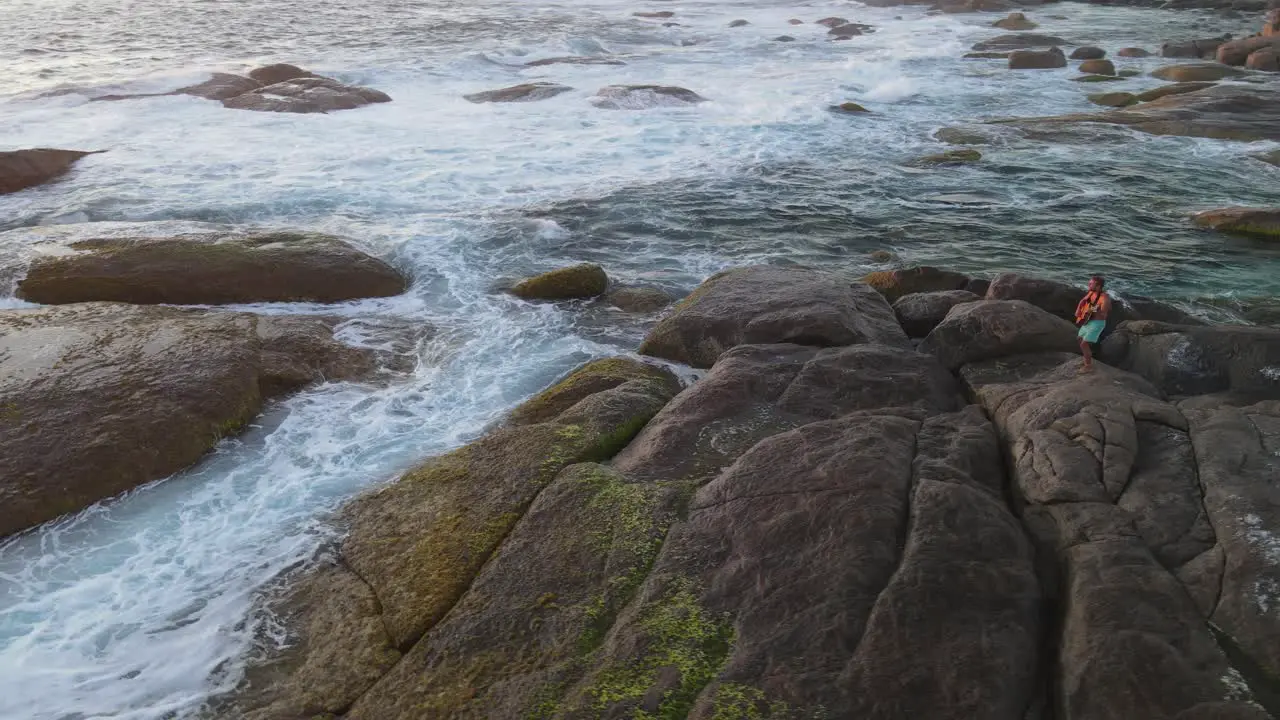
766	304
1196	72
576	281
98	398
594	377
639	299
208	265
852	108
893	284
1114	99
1264	222
1098	67
1015	21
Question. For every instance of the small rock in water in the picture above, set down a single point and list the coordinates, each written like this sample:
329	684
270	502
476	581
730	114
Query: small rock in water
848	30
1037	59
1018	41
784	38
1098	67
1015	21
986	56
639	299
832	22
660	15
1114	99
1133	52
1097	78
1129	73
949	157
1272	157
528	92
1264	222
739	23
577	281
307	95
795	21
640	97
1088	52
882	256
849	107
964	136
574	60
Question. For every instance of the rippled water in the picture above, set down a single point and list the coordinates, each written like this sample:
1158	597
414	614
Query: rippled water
141	607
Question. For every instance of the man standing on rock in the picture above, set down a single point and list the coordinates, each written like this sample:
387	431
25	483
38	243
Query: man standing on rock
1091	316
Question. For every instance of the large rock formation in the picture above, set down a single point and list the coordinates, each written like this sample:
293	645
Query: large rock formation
98	398
1237	51
21	169
766	304
275	88
1263	222
1225	112
820	530
129	262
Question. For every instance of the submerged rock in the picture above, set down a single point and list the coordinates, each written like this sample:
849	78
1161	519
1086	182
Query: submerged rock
637	299
1245	220
1133	52
848	107
575	60
219	266
1175	89
1015	21
795	21
972	135
527	92
1037	59
1098	67
659	15
1195	72
307	95
21	169
766	304
568	283
640	97
98	398
1018	41
1096	78
950	157
739	23
986	56
784	38
1088	52
1271	158
1226	112
1114	99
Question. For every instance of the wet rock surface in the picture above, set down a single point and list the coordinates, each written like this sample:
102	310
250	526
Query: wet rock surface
216	267
307	95
98	398
527	92
641	97
21	169
831	526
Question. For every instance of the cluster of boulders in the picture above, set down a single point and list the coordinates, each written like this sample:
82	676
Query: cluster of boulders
889	498
276	88
1260	52
107	386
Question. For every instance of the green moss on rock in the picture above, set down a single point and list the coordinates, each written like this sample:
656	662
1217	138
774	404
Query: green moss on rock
577	281
596	376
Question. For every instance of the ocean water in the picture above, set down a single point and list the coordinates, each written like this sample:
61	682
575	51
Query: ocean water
143	607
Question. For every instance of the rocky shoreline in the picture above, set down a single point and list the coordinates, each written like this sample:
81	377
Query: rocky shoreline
887	497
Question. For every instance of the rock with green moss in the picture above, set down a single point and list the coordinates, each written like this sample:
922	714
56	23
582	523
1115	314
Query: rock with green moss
104	397
568	283
596	376
893	284
1174	89
194	264
950	157
848	108
768	304
1262	222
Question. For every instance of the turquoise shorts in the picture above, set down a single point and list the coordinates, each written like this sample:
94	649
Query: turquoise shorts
1092	330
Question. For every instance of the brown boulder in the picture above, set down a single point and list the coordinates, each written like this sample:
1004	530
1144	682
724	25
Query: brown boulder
1037	59
222	86
130	263
991	329
848	107
832	22
1019	41
1098	67
278	73
1237	51
1175	89
307	95
637	299
98	398
1264	222
1015	21
585	280
920	313
640	97
766	304
1133	52
1114	99
527	92
1089	52
1189	360
21	169
1206	47
1266	60
893	284
1196	72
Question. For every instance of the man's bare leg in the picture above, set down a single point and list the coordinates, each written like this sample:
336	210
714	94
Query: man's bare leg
1088	355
